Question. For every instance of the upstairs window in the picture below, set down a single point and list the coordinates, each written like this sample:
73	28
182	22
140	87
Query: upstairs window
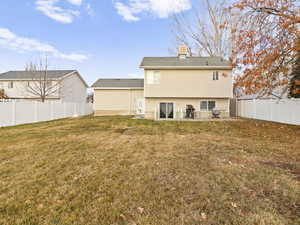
207	105
10	84
153	77
216	75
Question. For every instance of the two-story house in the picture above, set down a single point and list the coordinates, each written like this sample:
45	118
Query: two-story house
171	85
174	83
62	85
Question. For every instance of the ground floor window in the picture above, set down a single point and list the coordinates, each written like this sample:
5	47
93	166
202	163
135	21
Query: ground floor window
166	110
207	105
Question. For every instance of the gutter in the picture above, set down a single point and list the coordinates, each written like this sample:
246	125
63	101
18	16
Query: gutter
118	88
187	67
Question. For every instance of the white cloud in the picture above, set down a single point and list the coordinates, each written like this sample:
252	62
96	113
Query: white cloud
11	41
76	2
50	9
126	12
159	8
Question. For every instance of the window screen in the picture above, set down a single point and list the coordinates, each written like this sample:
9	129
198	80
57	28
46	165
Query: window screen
11	84
211	105
203	106
216	75
153	77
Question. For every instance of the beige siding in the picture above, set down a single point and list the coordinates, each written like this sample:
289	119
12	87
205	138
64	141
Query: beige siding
20	89
190	84
116	102
152	105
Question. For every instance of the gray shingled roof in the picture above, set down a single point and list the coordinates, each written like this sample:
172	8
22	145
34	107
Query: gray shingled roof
119	83
160	62
52	74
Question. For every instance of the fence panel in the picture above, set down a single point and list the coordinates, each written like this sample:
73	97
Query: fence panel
284	111
7	114
15	113
24	112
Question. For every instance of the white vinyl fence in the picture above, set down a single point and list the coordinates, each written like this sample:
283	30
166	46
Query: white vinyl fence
15	113
283	111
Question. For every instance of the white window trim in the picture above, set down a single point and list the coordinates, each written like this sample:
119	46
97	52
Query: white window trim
207	108
10	84
155	77
216	75
174	111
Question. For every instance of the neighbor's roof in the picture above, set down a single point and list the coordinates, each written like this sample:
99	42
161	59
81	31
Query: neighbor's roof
25	75
189	62
118	83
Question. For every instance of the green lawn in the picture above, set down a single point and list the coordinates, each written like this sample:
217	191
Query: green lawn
120	171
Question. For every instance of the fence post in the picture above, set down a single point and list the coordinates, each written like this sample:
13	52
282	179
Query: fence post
65	110
271	110
51	111
74	109
254	110
36	111
13	113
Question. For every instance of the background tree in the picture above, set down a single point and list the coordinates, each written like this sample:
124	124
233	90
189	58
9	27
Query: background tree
3	95
266	47
41	85
295	81
202	31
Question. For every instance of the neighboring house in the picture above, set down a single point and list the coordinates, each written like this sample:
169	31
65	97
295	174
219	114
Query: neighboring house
174	83
118	96
71	85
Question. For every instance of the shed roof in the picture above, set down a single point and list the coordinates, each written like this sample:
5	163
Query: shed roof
119	83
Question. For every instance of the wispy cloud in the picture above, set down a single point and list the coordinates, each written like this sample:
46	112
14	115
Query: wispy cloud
132	9
126	12
60	14
10	40
76	2
90	10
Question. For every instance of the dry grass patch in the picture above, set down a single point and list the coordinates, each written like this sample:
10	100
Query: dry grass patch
119	171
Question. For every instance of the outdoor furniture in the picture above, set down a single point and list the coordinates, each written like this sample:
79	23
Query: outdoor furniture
190	112
216	113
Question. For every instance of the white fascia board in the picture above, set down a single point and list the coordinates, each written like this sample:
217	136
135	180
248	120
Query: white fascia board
188	67
27	79
116	88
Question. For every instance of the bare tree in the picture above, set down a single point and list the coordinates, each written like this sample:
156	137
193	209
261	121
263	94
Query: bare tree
41	85
204	32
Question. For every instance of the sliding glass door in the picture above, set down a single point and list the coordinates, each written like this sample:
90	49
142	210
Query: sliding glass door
166	110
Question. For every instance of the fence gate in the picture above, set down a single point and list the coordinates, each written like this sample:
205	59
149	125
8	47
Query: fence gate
233	107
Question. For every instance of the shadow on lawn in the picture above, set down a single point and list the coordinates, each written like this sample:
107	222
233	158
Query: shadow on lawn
291	168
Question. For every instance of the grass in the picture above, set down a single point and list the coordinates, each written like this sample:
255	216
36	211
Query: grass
120	171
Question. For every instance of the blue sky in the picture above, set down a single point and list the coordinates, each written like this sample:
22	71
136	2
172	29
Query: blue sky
100	38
